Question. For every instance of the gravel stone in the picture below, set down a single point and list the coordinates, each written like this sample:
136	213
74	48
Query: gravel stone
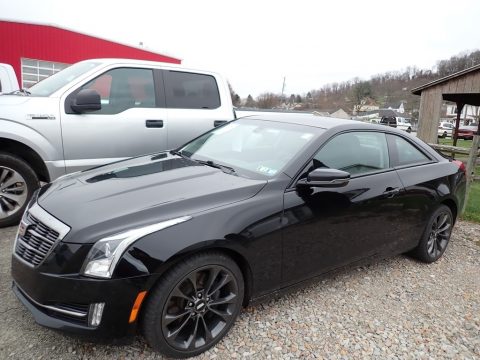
393	309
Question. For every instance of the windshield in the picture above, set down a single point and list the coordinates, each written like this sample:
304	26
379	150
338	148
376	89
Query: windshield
262	147
51	84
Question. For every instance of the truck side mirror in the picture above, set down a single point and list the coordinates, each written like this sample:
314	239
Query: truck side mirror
86	100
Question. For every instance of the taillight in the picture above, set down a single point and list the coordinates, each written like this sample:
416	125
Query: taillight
460	165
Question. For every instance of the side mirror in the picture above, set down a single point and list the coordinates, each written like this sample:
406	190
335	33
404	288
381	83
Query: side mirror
86	100
325	177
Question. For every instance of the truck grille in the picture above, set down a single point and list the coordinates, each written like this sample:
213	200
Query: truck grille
37	237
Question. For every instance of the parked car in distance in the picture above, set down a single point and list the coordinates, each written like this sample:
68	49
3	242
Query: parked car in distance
96	112
467	132
175	243
445	129
397	122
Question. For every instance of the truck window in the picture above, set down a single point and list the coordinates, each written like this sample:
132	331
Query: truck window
191	91
124	88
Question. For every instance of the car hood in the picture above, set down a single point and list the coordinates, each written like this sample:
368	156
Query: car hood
139	192
6	99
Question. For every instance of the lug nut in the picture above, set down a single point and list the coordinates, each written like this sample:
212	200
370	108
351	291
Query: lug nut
199	295
190	304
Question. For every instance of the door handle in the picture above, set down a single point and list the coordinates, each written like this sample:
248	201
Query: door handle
390	192
219	122
154	123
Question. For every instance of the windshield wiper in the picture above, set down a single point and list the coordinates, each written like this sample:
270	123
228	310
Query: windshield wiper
20	91
179	153
224	168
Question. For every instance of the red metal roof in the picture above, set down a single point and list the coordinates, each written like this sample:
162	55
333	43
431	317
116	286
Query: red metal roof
51	43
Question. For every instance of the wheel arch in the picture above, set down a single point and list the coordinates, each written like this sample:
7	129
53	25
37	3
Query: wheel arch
26	153
452	205
239	258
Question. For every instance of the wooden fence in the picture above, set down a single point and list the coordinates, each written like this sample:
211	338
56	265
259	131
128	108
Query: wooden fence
473	153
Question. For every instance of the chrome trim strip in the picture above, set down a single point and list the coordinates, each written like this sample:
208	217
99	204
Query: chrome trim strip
49	220
53	308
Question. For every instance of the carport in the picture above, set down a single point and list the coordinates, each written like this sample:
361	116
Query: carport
462	88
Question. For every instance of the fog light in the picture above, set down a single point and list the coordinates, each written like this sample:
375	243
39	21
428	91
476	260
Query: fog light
95	314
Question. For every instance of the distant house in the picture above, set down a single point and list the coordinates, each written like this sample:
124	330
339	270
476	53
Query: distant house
341	114
468	111
367	104
399	108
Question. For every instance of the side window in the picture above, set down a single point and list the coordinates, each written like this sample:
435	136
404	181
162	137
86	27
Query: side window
405	153
355	152
124	88
191	91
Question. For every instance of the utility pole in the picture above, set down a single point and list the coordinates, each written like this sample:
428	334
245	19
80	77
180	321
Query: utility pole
283	86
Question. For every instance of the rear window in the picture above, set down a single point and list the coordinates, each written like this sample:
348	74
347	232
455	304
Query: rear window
191	91
406	153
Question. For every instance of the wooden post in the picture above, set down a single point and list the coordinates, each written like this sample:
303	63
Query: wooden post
457	123
471	163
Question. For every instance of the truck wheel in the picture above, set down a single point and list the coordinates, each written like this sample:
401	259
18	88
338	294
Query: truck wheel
18	181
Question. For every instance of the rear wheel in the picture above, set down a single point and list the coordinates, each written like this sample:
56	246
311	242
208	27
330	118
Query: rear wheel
436	236
18	181
194	305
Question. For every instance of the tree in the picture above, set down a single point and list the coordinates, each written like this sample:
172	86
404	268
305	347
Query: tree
268	100
235	97
298	99
292	99
361	90
250	102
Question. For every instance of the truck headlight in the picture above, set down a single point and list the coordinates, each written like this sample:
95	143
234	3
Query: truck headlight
105	253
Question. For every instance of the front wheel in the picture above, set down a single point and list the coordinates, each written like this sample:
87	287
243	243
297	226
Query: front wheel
194	305
18	181
436	236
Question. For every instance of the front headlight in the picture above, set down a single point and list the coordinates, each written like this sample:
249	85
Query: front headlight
105	254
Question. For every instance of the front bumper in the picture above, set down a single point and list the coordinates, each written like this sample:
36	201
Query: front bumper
57	301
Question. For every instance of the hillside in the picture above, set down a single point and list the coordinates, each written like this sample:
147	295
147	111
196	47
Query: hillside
383	90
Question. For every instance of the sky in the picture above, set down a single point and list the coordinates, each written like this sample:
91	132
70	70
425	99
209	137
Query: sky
256	44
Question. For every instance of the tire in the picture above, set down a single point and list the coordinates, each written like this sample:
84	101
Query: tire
444	136
409	130
183	319
18	182
433	243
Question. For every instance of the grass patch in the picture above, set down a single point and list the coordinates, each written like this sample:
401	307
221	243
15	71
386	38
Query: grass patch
460	142
472	211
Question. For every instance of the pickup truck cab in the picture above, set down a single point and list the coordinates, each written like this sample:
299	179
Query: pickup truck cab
100	111
8	79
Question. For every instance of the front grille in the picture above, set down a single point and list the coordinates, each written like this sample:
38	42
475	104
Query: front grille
36	238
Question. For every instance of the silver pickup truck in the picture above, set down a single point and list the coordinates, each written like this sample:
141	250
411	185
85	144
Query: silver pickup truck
96	112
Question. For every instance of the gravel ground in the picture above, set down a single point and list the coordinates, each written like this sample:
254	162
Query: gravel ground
397	308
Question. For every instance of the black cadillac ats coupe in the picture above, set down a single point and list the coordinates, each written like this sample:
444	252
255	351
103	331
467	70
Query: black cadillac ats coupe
173	244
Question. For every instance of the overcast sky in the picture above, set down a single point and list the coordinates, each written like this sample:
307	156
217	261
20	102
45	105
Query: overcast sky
256	43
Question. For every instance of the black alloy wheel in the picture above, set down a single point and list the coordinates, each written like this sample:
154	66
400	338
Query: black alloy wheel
436	236
194	305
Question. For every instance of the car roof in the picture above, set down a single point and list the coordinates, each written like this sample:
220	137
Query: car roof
321	122
158	64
